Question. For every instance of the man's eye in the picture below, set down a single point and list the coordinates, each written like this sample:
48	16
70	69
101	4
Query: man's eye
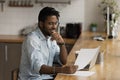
50	23
53	23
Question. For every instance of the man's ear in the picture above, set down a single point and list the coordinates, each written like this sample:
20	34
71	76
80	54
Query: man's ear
40	24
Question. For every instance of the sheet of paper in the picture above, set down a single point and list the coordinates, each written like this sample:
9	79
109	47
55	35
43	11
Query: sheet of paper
85	56
81	73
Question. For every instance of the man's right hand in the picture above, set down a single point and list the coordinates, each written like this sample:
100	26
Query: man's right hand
69	69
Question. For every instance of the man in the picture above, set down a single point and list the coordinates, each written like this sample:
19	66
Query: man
42	47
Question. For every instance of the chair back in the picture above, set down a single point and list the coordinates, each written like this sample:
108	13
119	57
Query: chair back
15	74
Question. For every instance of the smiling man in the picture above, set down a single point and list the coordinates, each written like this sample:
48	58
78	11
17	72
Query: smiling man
42	47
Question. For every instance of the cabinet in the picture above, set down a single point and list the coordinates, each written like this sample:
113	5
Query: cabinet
10	54
2	61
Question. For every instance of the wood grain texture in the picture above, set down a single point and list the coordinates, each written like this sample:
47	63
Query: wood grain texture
109	69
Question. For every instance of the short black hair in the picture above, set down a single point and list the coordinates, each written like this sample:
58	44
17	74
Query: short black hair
47	11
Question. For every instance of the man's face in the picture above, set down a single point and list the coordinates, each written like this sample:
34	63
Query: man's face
50	25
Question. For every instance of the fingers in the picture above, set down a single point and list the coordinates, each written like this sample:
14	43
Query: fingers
76	66
70	69
56	36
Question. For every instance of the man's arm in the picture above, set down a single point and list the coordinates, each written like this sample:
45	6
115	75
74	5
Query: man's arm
63	52
63	57
54	70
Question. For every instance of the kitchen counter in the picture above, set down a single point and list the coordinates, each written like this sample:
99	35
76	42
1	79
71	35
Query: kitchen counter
11	38
19	39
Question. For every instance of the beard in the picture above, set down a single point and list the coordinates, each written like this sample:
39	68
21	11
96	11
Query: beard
45	31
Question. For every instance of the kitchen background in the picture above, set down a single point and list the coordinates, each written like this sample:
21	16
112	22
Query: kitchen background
13	19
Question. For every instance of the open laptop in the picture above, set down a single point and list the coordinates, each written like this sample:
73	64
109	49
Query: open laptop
86	58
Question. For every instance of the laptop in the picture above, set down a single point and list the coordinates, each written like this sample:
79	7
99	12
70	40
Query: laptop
87	58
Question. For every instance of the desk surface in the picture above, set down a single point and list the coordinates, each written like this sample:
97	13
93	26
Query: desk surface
108	70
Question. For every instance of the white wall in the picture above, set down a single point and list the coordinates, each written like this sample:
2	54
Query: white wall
13	19
93	14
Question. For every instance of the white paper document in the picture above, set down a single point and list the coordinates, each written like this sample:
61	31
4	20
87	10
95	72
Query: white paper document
87	56
81	73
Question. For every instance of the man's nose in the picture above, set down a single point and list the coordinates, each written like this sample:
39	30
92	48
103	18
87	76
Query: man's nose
54	26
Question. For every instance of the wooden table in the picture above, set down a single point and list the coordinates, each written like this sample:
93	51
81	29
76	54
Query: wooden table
109	69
